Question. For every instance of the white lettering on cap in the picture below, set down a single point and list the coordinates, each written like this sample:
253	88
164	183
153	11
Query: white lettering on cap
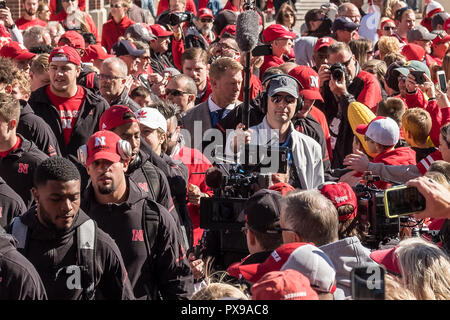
340	199
60	58
100	141
295	295
314	81
276	256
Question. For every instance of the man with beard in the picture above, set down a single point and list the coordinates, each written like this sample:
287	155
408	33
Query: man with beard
29	17
48	236
144	231
160	57
200	34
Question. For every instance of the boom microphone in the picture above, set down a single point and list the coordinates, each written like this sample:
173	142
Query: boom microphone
247	30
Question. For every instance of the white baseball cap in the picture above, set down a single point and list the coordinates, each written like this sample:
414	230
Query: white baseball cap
383	130
152	118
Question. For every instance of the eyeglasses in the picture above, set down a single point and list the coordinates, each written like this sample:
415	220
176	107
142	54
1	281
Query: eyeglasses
69	0
387	28
346	63
175	92
288	14
278	98
108	77
206	20
117	6
225	46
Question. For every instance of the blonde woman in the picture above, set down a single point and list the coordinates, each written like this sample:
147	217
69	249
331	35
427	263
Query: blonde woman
388	44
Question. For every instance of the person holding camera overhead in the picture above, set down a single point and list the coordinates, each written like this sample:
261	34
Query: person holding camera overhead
200	34
342	81
304	155
117	25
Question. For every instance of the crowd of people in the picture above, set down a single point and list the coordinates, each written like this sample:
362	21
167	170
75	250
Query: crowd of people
112	143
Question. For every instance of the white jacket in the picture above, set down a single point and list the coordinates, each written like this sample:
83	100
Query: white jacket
306	152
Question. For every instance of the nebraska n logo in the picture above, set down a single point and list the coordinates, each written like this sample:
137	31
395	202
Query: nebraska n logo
100	141
23	168
138	235
314	80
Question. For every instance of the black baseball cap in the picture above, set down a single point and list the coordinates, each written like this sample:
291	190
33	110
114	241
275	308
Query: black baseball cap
262	211
125	47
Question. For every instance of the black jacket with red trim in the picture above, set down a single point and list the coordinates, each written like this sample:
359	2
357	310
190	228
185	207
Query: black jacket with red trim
18	167
54	253
19	279
169	272
11	204
34	128
87	123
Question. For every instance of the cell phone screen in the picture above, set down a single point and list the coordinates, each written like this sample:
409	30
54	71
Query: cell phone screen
404	201
368	283
442	81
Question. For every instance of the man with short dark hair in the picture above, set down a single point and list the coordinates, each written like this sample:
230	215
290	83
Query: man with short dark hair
194	63
18	156
148	236
72	111
182	91
142	96
48	235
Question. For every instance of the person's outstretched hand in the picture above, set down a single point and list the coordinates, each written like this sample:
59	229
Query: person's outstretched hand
357	161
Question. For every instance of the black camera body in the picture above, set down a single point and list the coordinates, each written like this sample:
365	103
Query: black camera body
180	17
338	70
371	204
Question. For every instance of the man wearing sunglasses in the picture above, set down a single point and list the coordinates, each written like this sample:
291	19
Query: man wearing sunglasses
200	34
182	91
277	130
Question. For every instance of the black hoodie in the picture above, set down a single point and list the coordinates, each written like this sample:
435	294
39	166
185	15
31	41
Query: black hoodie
34	128
90	112
53	252
11	204
18	167
19	279
169	273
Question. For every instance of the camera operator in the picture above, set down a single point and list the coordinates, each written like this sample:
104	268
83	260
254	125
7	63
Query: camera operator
160	55
342	81
200	34
276	129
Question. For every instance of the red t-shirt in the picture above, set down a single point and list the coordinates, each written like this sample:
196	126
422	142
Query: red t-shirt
270	61
112	31
68	109
62	15
16	146
23	23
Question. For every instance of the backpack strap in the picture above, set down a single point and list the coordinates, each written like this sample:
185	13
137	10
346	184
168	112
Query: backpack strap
19	230
153	179
150	224
86	237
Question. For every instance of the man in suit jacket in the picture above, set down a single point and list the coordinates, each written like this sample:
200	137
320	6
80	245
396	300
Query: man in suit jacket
226	79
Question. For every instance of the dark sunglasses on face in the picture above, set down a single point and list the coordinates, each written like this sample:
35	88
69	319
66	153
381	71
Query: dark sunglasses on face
206	20
117	6
175	92
278	98
388	28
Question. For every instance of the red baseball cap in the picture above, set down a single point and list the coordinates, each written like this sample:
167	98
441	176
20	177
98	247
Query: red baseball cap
103	145
95	51
115	116
16	51
441	38
231	29
309	80
283	285
277	31
446	25
282	187
73	39
159	31
387	258
323	42
341	194
65	53
413	51
205	12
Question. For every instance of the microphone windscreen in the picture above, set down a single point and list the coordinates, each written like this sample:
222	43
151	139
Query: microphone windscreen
247	30
214	178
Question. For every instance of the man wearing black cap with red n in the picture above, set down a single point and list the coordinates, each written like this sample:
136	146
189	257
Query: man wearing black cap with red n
72	111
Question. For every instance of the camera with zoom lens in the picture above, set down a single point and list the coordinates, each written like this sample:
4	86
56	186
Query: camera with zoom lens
338	70
180	17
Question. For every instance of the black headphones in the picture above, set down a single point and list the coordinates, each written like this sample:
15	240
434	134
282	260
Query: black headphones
265	98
